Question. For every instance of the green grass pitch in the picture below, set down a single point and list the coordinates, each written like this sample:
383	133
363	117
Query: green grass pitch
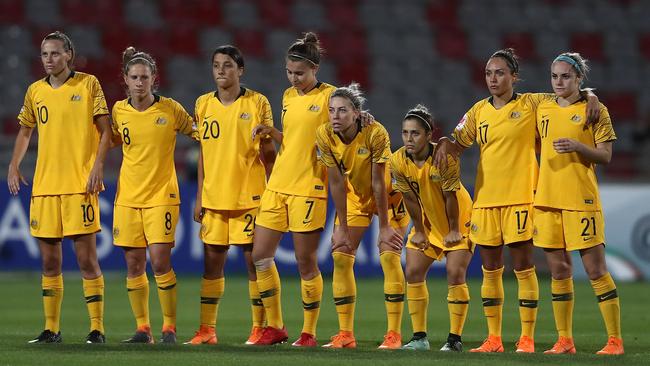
22	319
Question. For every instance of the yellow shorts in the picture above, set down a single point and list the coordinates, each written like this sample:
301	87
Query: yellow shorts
495	226
437	250
569	230
285	212
64	215
360	216
138	227
224	227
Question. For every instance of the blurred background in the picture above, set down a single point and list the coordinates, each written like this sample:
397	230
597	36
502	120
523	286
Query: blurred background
402	52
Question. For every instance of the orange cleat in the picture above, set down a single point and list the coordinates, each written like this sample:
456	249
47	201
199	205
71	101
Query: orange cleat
271	336
525	344
256	333
205	335
343	339
614	346
392	340
305	340
490	344
563	345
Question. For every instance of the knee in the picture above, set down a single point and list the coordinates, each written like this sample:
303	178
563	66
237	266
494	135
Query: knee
414	275
595	272
51	266
455	276
307	267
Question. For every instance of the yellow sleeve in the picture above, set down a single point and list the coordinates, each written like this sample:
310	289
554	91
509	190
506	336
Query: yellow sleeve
399	181
324	148
534	99
184	122
264	108
379	145
465	131
603	129
27	117
114	126
450	177
99	101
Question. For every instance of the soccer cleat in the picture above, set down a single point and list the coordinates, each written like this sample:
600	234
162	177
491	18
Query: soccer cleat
562	346
614	346
47	336
343	339
452	346
168	335
392	340
305	340
256	333
205	335
417	344
525	344
491	344
271	336
142	335
95	337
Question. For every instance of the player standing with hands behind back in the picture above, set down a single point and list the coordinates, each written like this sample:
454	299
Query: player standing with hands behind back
69	110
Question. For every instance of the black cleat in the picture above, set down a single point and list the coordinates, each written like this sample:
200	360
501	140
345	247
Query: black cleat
47	336
168	337
140	336
95	337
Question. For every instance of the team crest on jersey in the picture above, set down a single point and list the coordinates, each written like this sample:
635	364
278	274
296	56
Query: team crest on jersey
515	115
362	151
474	227
161	121
576	118
461	123
75	98
245	116
34	224
314	108
116	232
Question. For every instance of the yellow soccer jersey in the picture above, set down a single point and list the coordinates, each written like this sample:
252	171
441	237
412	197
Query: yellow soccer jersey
428	183
148	175
234	176
566	181
296	170
354	160
67	136
507	168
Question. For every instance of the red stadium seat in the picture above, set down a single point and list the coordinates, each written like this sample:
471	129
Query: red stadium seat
477	68
589	45
523	43
443	14
644	45
116	39
342	45
251	42
343	15
353	70
208	12
622	106
622	165
452	44
275	14
103	12
11	11
183	39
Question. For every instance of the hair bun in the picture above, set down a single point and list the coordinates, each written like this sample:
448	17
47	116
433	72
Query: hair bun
310	37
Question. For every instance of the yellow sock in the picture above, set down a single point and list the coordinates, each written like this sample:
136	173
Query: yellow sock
492	296
257	307
562	294
312	294
211	293
393	289
268	283
167	296
610	307
344	288
52	299
138	288
94	295
528	297
418	298
458	304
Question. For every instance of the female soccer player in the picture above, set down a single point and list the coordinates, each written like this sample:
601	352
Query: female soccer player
147	199
570	218
440	209
231	180
69	109
504	127
356	158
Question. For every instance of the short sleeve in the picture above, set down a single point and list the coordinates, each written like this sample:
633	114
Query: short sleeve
324	150
100	107
114	126
379	145
465	131
450	176
264	108
603	129
533	100
184	122
398	180
27	117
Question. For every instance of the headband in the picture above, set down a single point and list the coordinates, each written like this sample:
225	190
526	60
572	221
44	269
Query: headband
570	61
421	118
302	57
139	58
